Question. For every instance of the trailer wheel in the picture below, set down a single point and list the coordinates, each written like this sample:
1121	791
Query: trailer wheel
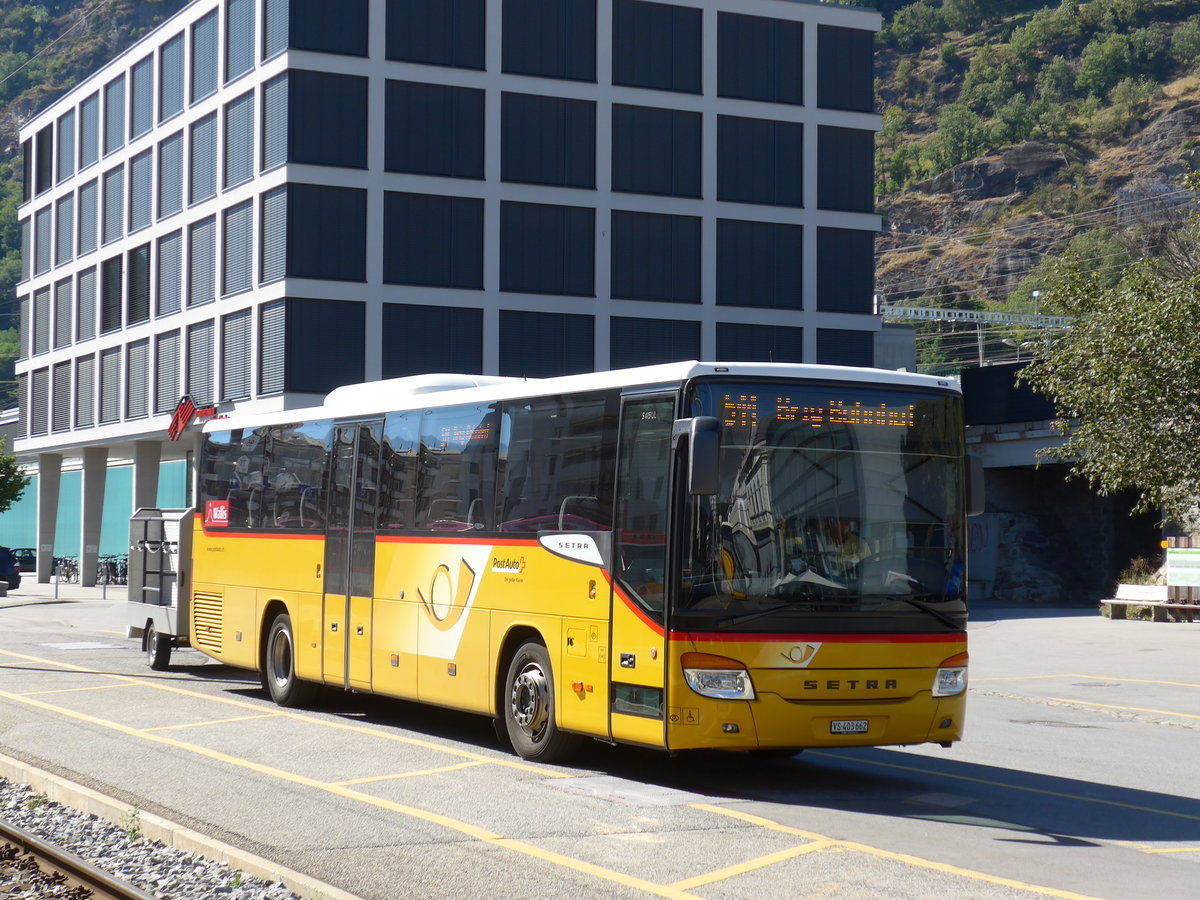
157	647
279	667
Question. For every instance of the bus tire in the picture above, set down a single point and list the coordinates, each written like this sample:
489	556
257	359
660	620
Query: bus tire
529	708
279	666
157	647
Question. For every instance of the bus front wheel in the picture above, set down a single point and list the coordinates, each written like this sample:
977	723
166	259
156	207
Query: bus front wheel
279	666
529	708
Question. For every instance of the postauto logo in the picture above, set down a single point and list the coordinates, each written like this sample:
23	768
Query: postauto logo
513	565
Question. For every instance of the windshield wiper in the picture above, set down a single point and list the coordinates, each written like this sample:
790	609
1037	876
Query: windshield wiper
925	607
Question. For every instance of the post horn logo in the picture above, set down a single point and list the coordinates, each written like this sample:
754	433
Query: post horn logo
801	654
447	602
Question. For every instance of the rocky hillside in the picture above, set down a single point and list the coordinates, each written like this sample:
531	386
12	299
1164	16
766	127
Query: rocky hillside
1030	131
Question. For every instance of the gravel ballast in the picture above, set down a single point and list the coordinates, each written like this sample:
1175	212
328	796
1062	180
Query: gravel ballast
152	866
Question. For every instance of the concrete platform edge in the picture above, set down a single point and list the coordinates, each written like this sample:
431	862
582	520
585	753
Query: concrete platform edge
153	827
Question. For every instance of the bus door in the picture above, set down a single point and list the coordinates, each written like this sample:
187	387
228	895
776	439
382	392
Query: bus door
638	649
350	554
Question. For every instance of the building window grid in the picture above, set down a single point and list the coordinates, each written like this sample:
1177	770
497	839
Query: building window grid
239	141
114	115
110	385
166	372
170	175
137	379
141	186
85	391
141	97
170	78
235	355
66	145
113	205
237	249
64	216
69	151
62	313
60	400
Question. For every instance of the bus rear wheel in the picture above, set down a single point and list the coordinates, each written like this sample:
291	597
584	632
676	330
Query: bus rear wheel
279	666
529	708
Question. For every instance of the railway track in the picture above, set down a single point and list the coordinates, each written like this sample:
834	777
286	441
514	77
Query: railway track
32	868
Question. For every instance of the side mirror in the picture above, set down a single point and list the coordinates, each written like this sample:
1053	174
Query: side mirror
703	434
975	493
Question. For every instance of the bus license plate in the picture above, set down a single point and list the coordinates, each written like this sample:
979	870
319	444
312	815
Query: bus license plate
848	726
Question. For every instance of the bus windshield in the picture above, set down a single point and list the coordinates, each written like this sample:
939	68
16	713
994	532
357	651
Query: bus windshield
840	510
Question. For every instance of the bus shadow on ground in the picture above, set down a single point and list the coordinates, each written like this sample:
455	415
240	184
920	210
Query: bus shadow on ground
1035	807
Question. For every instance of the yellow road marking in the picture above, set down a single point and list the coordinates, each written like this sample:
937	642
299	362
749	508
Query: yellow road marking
898	857
1000	784
155	682
676	891
1157	712
1173	850
437	771
270	715
94	687
475	832
752	865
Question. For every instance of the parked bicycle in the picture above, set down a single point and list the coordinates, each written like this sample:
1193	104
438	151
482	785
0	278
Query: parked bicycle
66	568
112	570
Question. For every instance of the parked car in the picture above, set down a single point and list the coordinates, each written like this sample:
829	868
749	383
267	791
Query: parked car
10	569
27	557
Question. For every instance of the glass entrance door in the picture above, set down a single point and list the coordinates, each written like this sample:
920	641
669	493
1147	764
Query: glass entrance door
638	657
350	554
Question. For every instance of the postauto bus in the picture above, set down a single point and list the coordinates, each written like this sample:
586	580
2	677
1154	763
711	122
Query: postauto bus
742	556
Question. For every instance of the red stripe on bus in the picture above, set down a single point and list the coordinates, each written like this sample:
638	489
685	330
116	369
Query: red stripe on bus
477	541
656	627
266	535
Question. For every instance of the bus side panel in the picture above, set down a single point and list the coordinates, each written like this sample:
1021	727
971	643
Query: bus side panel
882	687
235	575
304	609
637	666
393	641
445	608
583	677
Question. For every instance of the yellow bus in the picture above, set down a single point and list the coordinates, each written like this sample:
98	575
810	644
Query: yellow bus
735	556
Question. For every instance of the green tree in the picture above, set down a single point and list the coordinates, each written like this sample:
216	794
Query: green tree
12	482
961	134
991	80
1185	42
1125	379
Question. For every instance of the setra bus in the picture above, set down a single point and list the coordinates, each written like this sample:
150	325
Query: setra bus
735	556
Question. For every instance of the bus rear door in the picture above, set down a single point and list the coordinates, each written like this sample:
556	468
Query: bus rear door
638	649
350	555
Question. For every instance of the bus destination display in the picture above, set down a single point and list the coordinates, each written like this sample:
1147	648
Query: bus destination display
745	411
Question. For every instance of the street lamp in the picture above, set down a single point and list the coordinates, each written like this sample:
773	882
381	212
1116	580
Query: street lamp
1036	294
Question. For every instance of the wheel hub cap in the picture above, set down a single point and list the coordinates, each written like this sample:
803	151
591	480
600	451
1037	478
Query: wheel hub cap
530	700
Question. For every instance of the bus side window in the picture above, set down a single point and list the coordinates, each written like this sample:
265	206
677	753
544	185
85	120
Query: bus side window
293	475
557	473
456	483
398	481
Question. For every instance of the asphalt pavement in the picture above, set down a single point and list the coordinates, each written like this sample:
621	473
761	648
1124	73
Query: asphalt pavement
1054	791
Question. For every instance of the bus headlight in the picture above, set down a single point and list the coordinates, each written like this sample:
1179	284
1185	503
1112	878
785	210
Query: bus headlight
717	676
951	677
